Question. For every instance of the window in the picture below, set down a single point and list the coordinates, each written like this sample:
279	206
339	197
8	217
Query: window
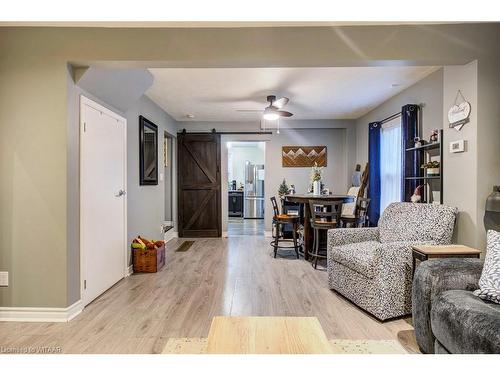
390	163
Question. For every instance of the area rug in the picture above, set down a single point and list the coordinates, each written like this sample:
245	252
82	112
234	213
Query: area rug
185	246
198	345
367	347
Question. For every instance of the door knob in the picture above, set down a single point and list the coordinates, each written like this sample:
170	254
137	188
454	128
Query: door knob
120	193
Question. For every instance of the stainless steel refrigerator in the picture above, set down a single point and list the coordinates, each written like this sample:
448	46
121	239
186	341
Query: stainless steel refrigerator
254	191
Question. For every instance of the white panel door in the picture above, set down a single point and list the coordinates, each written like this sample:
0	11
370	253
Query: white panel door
102	199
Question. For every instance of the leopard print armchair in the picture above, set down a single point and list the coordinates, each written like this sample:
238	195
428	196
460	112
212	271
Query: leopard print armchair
372	267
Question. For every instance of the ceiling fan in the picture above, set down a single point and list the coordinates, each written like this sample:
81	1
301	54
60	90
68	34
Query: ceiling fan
273	110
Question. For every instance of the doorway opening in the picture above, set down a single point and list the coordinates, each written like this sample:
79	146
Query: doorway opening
168	173
245	181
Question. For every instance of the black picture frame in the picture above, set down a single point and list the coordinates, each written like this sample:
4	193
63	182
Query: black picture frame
148	149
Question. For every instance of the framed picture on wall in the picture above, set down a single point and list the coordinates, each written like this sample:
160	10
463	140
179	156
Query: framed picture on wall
303	156
148	152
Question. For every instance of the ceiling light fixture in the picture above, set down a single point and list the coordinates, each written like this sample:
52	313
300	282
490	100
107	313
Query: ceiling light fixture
189	115
270	114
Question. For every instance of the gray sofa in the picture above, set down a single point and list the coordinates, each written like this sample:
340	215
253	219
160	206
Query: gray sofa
447	317
372	267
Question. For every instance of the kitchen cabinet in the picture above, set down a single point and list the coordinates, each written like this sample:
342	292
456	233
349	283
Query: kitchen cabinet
235	203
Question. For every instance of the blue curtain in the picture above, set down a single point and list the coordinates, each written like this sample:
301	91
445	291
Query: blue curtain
374	172
411	161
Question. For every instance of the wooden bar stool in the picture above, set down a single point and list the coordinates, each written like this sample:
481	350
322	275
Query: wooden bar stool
324	215
280	220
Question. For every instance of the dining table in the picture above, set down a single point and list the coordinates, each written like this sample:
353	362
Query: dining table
305	199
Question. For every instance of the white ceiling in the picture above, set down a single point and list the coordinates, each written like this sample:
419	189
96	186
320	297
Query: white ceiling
214	94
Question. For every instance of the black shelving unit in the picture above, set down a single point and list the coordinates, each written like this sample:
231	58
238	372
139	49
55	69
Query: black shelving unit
425	153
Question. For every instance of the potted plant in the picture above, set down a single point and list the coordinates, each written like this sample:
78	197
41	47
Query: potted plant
283	189
316	179
431	168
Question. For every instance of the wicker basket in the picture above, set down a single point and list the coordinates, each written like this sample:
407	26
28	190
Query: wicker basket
148	260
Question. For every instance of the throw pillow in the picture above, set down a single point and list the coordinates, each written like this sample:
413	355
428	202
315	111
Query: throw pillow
489	283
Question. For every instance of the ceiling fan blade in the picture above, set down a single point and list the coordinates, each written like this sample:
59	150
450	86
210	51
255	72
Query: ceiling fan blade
285	114
248	110
281	102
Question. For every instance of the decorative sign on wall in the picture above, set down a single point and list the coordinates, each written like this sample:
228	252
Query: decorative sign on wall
303	156
458	115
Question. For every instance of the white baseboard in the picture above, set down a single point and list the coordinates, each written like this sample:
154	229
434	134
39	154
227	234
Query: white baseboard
170	235
268	233
166	224
41	314
130	270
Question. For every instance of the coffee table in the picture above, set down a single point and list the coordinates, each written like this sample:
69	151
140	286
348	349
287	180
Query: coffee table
425	252
267	335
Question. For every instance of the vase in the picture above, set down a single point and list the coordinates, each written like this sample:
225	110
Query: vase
316	187
432	171
492	210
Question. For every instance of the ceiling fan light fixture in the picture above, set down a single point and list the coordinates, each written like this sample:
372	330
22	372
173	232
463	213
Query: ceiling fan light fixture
270	114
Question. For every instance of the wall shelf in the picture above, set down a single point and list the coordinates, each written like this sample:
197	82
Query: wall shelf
423	178
427	146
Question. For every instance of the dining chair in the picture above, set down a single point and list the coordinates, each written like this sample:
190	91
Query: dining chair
279	220
325	215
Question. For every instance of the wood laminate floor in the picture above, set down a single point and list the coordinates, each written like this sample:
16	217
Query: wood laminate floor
245	227
232	276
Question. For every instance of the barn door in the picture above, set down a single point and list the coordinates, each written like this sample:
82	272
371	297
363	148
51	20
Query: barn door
199	186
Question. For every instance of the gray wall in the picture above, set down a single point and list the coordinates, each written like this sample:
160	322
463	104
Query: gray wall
428	91
335	175
460	170
120	88
146	204
488	136
34	115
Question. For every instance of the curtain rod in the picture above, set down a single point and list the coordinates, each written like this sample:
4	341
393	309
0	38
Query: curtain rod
391	117
225	133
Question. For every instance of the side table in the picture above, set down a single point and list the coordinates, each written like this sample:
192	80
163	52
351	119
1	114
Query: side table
425	252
